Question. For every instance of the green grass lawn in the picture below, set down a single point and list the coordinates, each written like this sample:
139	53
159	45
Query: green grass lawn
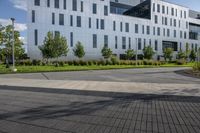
34	69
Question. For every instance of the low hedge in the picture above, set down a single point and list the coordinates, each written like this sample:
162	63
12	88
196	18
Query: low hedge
112	61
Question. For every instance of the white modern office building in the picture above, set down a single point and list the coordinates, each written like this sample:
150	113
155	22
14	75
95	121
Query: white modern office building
117	24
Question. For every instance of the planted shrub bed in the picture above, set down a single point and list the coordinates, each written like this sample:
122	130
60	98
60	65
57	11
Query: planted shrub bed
88	63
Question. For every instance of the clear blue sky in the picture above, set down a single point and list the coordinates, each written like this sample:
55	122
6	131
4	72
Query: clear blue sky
17	9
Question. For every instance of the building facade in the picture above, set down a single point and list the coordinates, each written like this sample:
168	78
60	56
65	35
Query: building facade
117	24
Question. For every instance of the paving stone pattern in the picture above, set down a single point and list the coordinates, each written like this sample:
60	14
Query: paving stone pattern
37	110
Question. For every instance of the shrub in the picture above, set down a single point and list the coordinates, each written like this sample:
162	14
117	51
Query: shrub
82	63
70	63
90	63
102	62
61	63
181	62
36	62
114	60
196	67
28	63
95	62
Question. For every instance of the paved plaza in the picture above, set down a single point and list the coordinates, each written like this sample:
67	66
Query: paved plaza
30	103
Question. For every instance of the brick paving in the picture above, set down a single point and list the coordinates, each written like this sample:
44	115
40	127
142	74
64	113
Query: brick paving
37	110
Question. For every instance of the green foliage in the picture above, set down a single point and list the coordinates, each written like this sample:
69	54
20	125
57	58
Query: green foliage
130	53
187	50
114	60
196	66
168	53
193	55
79	50
106	52
181	61
6	40
148	52
54	46
181	55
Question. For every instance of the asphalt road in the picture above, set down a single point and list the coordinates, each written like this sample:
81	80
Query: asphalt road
38	110
146	75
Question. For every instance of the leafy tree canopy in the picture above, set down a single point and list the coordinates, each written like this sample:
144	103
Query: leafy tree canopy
106	52
130	53
79	50
148	52
54	46
6	40
168	53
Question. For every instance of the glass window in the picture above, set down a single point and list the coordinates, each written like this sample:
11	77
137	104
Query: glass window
136	28
148	30
114	26
139	44
94	41
174	33
61	19
102	24
64	4
127	27
121	26
97	23
81	6
105	40
156	19
56	3
71	20
53	18
74	5
168	32
71	39
78	21
48	3
156	45
90	22
106	10
36	37
33	16
37	2
158	31
154	7
123	42
94	8
129	43
172	11
144	43
142	29
163	9
158	7
116	42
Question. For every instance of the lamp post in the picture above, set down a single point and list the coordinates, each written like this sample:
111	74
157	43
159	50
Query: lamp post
13	45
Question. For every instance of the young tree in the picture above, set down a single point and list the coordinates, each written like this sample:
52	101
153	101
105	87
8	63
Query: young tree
168	53
181	55
79	50
47	49
54	46
130	53
60	46
106	52
1	34
187	50
148	52
6	39
193	55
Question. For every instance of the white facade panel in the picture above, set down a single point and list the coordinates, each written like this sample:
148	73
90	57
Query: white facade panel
84	34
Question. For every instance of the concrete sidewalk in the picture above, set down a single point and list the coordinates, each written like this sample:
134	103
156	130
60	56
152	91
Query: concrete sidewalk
130	87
